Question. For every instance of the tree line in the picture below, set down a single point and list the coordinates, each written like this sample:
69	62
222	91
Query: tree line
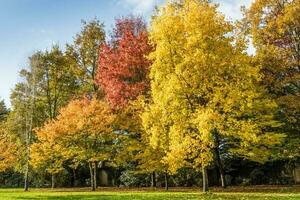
180	94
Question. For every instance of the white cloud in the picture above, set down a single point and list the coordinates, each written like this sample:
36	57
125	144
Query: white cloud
232	8
140	6
232	11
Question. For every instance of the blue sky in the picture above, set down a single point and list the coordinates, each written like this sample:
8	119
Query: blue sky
30	25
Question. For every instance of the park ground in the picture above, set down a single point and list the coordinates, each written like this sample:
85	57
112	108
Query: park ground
234	193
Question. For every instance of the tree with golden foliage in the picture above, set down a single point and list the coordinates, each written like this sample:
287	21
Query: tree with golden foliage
47	153
203	83
82	133
135	145
7	149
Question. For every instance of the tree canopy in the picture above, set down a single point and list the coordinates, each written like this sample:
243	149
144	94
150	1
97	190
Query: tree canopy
180	97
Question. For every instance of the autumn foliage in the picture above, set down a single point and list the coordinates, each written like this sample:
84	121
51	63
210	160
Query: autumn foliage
82	133
181	96
7	154
123	66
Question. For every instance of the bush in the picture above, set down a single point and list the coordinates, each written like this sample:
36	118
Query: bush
129	178
246	182
257	177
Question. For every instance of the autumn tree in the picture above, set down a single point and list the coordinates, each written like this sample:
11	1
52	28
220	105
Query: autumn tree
123	75
123	66
84	52
83	132
48	84
7	147
275	29
47	154
21	121
134	145
202	83
57	83
56	87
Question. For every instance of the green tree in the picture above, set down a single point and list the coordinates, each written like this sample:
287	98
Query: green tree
48	84
23	108
57	83
84	52
3	111
275	29
133	146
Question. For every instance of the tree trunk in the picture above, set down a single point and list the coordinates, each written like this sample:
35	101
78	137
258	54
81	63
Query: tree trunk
26	174
222	176
166	181
205	179
28	129
221	169
74	178
52	181
153	180
92	176
30	105
219	162
95	175
26	184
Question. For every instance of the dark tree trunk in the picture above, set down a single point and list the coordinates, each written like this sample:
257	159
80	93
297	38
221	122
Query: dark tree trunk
219	162
95	175
205	179
26	184
73	183
92	176
166	181
26	174
153	180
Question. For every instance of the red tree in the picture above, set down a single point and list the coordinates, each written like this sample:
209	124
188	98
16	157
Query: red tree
123	66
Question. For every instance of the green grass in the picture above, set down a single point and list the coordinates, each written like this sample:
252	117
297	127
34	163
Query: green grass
234	193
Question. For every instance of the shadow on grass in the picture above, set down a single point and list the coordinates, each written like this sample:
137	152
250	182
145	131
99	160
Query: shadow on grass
234	193
112	197
158	197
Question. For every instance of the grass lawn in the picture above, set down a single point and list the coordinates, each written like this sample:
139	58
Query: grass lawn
234	193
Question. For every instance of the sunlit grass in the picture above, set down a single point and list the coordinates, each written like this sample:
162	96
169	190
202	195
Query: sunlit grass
234	193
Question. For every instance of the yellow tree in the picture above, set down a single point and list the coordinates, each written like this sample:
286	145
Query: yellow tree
151	158
134	145
203	83
82	133
47	153
7	149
